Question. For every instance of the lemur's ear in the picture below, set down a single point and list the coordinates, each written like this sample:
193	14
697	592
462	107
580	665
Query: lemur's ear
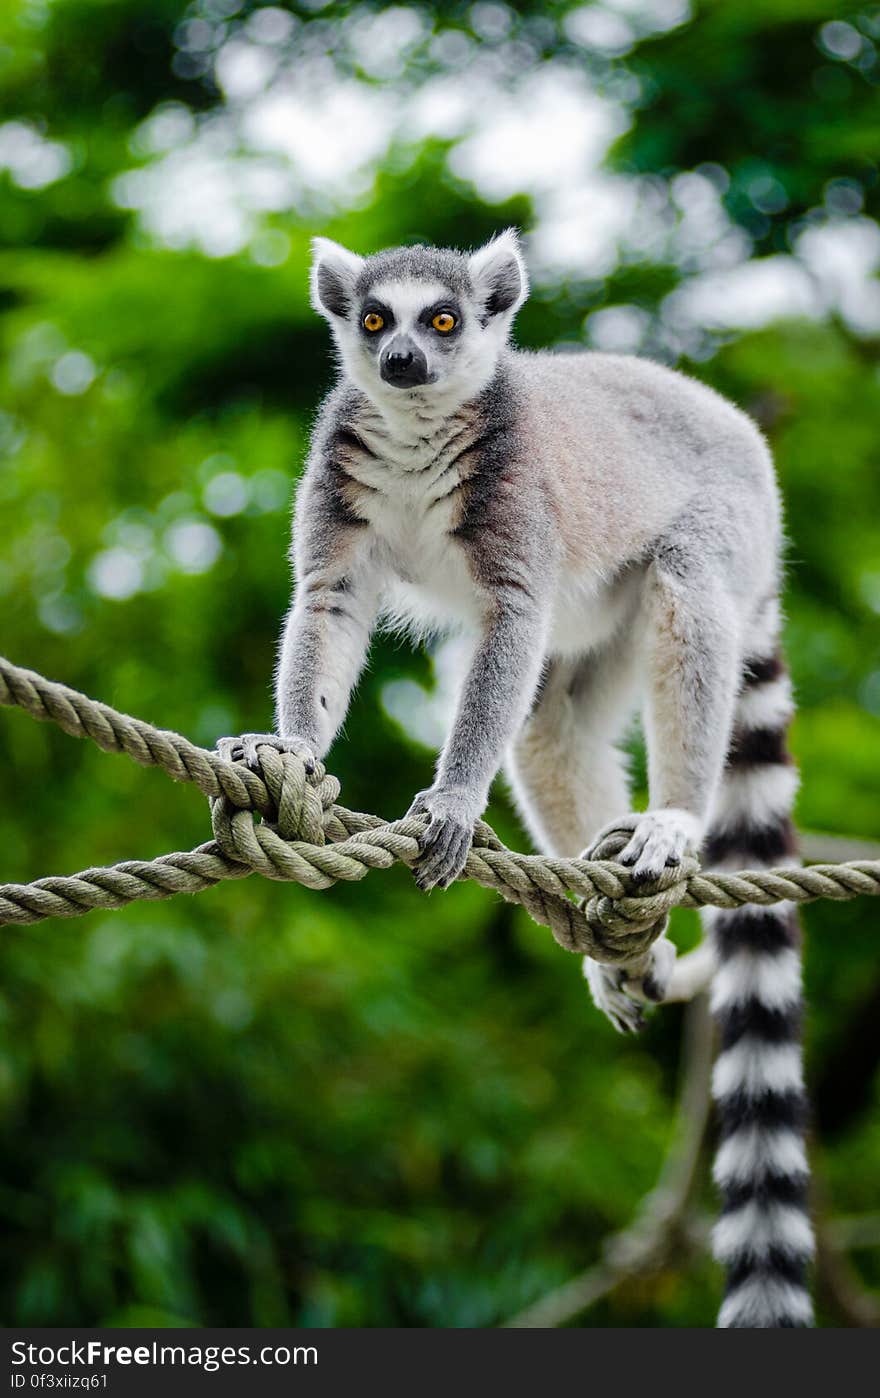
499	274
334	273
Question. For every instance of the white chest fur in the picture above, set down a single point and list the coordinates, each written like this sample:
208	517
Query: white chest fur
413	471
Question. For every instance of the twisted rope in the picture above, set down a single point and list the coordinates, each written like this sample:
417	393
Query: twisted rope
305	837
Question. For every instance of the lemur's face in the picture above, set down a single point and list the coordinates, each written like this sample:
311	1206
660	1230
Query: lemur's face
412	332
419	324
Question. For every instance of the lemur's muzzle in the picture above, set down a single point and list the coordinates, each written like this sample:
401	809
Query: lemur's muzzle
402	363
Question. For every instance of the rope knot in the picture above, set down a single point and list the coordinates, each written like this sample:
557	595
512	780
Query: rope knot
300	804
630	916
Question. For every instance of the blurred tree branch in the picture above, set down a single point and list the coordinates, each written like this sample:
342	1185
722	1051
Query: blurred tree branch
839	1287
832	849
851	1233
661	1228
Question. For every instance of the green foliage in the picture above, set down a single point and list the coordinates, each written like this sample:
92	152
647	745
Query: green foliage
364	1107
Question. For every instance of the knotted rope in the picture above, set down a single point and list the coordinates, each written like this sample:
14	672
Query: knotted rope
284	823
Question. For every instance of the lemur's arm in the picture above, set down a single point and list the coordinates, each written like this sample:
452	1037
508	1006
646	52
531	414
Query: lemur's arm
327	630
515	568
494	701
323	648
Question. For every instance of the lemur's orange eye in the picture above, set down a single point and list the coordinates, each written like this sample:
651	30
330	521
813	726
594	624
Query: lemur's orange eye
444	321
373	322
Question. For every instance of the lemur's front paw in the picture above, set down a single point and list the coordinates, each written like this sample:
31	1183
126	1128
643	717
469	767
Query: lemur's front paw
659	839
244	749
445	842
620	992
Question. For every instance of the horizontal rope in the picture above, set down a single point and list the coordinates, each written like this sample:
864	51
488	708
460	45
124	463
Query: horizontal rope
305	837
83	717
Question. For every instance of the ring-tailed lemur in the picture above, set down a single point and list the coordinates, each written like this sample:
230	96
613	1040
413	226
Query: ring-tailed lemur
608	533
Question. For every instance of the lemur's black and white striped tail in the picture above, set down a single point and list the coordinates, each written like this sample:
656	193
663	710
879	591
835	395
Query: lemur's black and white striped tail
763	1237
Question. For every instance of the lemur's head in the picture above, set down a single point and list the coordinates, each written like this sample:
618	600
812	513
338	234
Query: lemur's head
428	323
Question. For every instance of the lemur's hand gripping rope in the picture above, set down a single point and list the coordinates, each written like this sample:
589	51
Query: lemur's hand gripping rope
284	823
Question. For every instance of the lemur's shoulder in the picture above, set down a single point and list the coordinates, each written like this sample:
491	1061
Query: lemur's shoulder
340	405
627	383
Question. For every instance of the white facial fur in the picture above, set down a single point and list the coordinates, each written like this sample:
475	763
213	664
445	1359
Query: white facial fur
458	367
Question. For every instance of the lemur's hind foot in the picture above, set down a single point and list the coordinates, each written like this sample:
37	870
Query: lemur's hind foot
658	840
622	992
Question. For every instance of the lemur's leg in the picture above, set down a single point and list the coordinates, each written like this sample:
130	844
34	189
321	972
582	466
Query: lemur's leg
569	777
689	641
764	706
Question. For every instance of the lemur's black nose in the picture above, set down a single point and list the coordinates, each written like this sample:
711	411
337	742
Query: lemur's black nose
403	364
